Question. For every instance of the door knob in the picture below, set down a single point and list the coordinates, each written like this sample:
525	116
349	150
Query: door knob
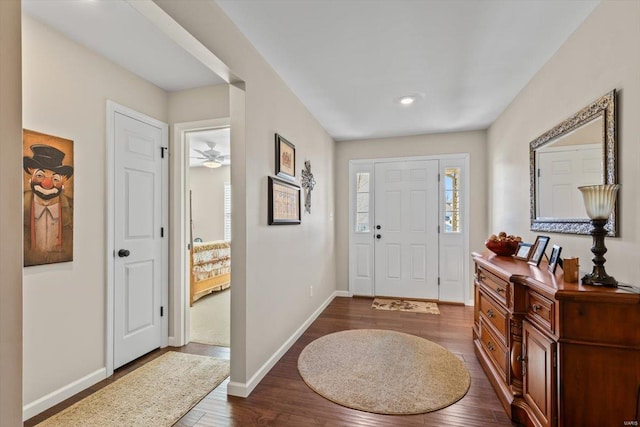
378	227
123	253
378	236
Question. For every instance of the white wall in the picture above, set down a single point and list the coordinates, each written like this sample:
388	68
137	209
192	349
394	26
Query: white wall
65	89
473	143
282	261
10	215
603	54
203	103
207	201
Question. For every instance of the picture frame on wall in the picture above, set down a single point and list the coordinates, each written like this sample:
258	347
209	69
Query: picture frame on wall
554	259
285	158
284	202
48	164
523	251
537	252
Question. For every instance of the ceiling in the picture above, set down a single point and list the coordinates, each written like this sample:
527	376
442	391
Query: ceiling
115	30
350	61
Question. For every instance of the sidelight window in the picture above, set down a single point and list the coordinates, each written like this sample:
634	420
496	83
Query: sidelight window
452	200
362	202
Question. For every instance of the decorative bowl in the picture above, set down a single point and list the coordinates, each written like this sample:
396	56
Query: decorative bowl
502	247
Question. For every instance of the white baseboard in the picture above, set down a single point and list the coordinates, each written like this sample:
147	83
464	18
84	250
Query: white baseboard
239	389
34	408
342	294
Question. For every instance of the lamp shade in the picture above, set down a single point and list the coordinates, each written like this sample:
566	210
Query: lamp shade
599	200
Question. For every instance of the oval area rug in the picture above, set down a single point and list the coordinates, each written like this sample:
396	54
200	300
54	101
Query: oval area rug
383	372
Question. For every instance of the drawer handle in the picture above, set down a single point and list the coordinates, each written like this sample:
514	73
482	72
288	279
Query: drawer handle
536	307
490	313
490	345
500	290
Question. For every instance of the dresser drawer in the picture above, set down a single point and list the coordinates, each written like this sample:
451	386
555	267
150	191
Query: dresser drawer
494	348
540	310
494	314
498	287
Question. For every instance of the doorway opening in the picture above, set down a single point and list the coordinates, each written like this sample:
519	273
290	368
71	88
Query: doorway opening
209	222
202	232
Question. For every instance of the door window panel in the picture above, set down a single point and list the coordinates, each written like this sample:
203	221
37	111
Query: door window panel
362	202
452	200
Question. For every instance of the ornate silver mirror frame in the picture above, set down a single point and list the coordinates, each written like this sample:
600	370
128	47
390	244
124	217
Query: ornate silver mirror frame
604	108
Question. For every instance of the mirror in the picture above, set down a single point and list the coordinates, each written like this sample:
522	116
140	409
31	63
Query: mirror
579	151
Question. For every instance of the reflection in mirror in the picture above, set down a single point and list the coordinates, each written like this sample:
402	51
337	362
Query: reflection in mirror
579	151
564	164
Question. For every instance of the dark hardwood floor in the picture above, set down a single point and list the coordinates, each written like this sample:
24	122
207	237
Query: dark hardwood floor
283	399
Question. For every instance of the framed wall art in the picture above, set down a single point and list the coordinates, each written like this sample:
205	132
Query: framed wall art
538	250
285	158
284	202
48	198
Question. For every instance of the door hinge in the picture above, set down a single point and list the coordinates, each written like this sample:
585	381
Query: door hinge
538	172
161	311
161	231
438	177
438	281
162	151
438	229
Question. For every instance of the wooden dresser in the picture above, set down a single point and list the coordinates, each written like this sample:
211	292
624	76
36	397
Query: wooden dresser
557	354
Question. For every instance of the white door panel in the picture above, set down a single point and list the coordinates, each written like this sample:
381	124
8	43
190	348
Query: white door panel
138	205
406	209
454	258
361	230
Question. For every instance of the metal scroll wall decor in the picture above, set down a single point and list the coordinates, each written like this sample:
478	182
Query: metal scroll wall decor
308	182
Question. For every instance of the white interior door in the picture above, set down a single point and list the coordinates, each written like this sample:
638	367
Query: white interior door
406	229
138	237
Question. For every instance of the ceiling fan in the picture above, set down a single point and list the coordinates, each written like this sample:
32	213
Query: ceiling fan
212	157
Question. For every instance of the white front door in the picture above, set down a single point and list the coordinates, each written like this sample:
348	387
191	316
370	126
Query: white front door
139	266
406	229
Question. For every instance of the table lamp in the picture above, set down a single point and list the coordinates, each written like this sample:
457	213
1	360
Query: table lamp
599	201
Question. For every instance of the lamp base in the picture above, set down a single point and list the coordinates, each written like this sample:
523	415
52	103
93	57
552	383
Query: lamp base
599	276
602	279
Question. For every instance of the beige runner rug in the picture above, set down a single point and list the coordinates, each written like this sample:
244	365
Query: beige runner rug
155	395
405	305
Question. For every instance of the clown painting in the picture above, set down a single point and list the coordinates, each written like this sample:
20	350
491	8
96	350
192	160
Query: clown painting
48	199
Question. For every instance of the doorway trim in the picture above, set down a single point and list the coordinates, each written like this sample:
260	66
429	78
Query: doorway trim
355	163
179	229
112	109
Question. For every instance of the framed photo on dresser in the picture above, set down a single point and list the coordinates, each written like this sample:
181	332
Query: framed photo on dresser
523	251
537	252
554	259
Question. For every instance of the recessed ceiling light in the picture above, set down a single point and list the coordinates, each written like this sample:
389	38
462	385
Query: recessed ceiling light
407	100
